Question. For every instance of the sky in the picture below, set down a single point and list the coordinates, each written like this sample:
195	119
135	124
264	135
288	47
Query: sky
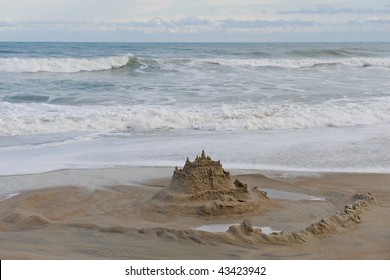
194	20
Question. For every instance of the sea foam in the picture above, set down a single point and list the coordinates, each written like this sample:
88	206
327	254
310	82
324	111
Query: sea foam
22	119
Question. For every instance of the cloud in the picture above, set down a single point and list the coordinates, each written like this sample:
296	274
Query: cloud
374	21
159	25
75	10
195	29
194	21
256	24
329	9
159	22
194	24
205	24
183	25
8	25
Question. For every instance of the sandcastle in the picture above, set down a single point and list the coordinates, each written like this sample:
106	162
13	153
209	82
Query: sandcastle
205	178
203	186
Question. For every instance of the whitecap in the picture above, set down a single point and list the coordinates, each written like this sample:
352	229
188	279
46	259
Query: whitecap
63	65
24	119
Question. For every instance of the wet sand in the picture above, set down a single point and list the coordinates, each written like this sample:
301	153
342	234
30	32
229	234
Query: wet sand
109	214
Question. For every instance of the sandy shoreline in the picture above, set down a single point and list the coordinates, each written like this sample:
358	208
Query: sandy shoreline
107	214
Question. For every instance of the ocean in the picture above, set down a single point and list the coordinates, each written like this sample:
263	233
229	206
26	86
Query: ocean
267	106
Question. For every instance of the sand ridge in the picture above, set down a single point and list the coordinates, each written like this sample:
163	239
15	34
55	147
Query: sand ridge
243	233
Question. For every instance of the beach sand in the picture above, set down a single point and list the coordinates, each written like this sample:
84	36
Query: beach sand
110	214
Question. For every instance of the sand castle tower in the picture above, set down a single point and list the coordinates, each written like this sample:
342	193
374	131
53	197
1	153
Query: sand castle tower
205	188
205	178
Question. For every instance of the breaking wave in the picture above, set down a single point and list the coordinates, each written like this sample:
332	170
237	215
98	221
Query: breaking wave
74	65
22	119
65	65
303	63
331	53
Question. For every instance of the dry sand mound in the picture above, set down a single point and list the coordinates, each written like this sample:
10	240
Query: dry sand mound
16	220
205	188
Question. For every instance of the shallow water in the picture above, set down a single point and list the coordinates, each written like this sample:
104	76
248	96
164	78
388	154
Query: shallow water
225	227
275	194
5	196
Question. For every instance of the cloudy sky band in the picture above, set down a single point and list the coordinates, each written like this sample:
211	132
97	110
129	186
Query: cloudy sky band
151	20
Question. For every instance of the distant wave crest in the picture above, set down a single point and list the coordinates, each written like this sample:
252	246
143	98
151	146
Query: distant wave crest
303	62
64	65
74	65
